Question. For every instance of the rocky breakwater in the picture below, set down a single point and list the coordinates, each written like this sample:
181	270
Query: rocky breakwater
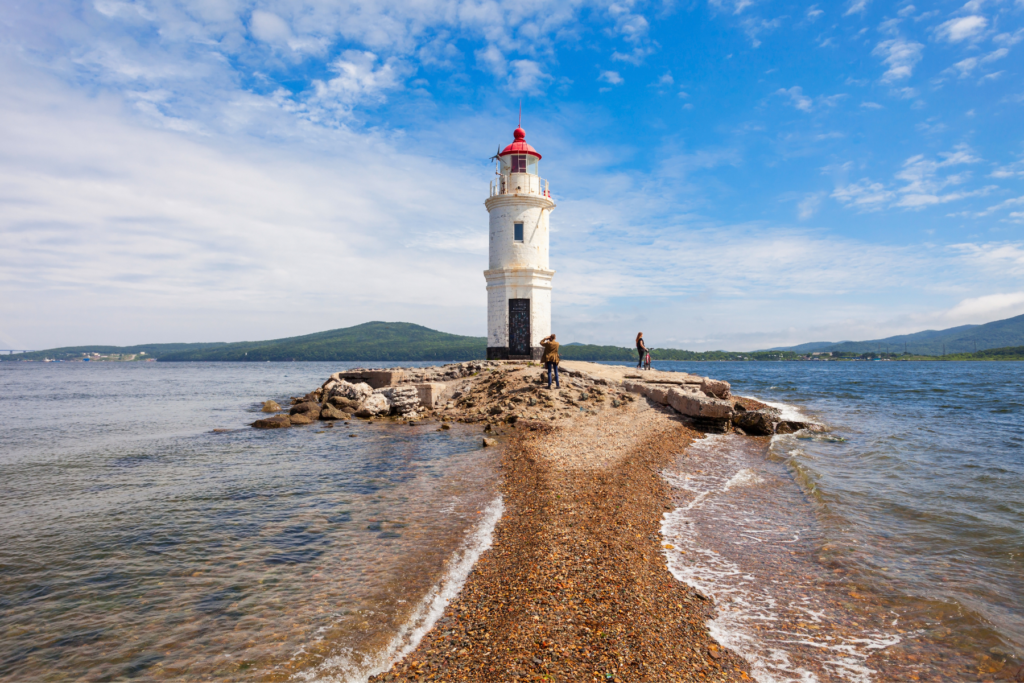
371	393
710	404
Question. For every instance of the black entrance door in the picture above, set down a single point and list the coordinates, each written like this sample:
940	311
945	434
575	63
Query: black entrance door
519	327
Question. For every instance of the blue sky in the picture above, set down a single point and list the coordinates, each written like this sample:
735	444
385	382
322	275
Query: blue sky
729	174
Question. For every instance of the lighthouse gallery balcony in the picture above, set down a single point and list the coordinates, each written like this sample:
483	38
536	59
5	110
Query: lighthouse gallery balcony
520	183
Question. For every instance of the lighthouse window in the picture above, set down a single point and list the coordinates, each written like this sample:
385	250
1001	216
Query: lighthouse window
518	232
519	163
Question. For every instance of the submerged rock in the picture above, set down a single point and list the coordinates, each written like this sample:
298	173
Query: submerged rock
302	418
276	422
329	412
271	407
310	408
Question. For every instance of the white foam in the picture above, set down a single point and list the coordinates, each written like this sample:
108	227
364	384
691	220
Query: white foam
746	605
745	477
343	667
790	412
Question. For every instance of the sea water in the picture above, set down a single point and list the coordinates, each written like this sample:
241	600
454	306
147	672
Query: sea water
889	547
140	544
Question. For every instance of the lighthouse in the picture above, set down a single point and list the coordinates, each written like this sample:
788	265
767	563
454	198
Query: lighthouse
518	275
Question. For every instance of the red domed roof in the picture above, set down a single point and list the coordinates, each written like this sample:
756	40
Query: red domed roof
519	146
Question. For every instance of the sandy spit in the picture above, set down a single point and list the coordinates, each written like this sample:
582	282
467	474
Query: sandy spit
575	586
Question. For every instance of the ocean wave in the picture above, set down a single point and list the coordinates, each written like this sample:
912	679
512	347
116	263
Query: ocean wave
767	613
343	667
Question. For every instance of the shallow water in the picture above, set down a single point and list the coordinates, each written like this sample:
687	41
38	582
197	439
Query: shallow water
890	548
139	544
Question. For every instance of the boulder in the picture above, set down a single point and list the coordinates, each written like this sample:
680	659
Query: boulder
347	405
715	388
329	412
301	418
271	407
404	400
489	442
697	406
276	422
311	408
358	392
791	426
374	405
755	422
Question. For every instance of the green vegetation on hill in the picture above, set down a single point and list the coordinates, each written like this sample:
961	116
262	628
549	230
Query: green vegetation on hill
78	352
396	342
369	342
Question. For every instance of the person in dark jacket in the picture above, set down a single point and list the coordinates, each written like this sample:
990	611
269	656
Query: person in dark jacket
550	358
641	349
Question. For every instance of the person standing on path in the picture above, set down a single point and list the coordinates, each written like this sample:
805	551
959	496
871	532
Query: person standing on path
551	358
641	349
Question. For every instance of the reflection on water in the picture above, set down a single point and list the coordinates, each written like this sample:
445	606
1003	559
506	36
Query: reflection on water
140	544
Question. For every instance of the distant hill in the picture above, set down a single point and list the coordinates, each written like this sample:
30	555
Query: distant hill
373	341
77	352
963	339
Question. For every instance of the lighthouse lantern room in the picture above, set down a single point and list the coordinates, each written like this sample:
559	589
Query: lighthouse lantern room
518	277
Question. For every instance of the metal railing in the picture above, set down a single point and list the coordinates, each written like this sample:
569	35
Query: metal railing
520	183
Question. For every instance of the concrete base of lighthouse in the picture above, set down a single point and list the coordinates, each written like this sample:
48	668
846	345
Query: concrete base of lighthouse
518	311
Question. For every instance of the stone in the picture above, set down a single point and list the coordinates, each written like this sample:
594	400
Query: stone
311	408
489	442
790	427
404	400
431	393
374	405
301	418
357	392
329	412
695	405
715	388
376	379
755	422
271	407
445	426
347	404
276	422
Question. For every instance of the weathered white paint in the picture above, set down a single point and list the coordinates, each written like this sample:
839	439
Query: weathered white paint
519	270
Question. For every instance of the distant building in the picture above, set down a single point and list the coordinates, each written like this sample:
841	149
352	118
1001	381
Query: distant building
518	274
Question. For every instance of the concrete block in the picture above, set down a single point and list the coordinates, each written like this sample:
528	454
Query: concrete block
377	379
695	405
431	393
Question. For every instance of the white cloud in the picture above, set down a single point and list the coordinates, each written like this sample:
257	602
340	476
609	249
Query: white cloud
871	105
527	76
922	184
988	308
804	103
808	206
962	28
864	195
634	57
797	97
611	77
360	79
813	12
900	55
856	7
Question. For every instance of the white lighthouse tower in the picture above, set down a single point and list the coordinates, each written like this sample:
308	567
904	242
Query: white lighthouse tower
518	277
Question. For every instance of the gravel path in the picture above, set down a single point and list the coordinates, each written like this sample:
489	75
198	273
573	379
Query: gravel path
575	587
